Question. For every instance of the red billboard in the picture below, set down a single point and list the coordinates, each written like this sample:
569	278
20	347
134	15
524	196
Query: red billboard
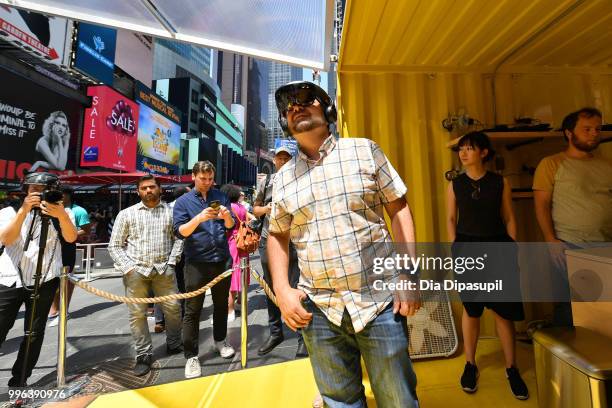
110	130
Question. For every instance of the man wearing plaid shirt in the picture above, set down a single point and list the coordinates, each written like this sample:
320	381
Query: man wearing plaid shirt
143	246
329	200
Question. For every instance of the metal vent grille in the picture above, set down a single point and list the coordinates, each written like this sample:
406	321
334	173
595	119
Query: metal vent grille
432	330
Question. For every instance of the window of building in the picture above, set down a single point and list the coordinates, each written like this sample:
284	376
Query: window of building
193	118
194	96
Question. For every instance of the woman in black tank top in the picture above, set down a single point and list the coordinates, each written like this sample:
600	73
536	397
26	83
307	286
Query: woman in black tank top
482	201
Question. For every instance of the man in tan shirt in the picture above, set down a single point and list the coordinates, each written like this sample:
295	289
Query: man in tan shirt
573	196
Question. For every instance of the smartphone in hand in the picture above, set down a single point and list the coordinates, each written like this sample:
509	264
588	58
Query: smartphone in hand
215	204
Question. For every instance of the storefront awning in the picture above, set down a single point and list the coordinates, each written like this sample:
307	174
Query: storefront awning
109	177
295	32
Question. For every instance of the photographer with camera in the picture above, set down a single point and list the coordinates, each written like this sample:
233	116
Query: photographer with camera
20	233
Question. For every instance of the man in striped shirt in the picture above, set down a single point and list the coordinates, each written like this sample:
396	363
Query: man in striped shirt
143	246
15	227
329	201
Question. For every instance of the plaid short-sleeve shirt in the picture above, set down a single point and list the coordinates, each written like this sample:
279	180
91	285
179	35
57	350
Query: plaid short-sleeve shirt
333	209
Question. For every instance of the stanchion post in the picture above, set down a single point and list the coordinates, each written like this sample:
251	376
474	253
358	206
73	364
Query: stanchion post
61	328
88	263
244	276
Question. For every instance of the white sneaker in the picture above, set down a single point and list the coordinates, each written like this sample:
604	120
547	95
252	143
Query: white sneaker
224	349
231	316
192	368
54	321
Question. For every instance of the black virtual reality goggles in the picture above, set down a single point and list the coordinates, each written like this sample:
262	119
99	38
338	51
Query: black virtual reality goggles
302	93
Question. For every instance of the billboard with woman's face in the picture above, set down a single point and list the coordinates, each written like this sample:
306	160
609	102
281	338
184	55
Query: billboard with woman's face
38	129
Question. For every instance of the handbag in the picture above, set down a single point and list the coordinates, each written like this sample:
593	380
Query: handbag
247	239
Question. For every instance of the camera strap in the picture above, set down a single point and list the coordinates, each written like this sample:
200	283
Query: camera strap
23	284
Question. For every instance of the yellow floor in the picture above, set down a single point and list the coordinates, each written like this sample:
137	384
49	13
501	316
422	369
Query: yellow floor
292	385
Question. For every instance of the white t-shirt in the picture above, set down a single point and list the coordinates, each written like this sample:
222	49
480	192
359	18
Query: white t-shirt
14	257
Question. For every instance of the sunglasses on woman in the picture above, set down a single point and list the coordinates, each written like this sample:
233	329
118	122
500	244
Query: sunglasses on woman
476	191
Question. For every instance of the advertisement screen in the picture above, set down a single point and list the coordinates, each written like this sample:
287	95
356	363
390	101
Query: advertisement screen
43	36
159	134
159	139
110	130
38	129
95	52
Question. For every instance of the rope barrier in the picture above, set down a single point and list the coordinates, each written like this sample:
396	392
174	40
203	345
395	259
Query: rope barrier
124	299
265	286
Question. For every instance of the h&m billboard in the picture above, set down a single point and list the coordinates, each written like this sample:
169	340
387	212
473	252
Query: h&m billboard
109	133
95	52
38	129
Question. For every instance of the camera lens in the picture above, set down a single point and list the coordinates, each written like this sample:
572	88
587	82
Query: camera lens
52	196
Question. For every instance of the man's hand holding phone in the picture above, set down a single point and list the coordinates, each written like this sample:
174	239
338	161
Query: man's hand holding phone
211	212
224	214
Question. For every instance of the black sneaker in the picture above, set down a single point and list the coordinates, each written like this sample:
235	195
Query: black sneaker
143	365
14	383
469	379
517	385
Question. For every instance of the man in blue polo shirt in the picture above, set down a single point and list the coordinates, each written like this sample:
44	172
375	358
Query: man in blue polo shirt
202	218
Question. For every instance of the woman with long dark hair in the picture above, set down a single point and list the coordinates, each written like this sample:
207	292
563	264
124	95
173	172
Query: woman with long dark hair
483	202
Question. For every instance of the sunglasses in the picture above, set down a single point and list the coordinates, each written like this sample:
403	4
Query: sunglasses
303	96
476	192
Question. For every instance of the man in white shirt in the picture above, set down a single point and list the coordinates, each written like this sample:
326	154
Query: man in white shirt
143	246
16	229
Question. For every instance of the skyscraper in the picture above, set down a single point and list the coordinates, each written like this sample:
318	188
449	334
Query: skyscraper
173	59
257	105
278	75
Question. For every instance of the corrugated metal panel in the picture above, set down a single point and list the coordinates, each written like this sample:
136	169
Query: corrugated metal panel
390	35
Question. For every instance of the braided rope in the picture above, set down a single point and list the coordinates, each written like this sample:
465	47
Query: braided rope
264	285
124	299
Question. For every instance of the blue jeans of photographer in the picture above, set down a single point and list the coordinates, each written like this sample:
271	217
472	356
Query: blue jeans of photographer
336	352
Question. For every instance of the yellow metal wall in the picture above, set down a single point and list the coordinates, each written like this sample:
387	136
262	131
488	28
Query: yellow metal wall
403	113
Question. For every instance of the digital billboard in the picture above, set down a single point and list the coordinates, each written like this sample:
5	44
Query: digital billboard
159	134
110	130
38	129
40	35
95	52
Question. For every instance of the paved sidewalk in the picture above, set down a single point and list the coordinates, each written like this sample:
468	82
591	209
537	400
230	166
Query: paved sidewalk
99	336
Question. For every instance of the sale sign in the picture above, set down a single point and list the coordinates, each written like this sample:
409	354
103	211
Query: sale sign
110	130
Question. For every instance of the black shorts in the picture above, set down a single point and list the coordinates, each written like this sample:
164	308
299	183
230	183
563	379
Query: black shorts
504	267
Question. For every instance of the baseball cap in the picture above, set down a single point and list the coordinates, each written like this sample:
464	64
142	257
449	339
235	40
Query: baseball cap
283	149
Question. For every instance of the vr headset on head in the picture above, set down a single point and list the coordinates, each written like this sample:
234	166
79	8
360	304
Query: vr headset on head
302	93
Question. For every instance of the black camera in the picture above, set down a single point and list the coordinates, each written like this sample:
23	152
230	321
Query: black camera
51	195
52	192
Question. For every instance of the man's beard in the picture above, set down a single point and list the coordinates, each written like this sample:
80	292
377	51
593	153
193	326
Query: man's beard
583	147
150	198
308	124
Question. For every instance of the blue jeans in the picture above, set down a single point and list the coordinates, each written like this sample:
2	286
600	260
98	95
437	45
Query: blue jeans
138	286
335	354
